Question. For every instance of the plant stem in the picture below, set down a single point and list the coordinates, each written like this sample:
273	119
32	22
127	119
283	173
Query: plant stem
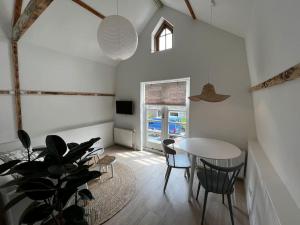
54	218
28	153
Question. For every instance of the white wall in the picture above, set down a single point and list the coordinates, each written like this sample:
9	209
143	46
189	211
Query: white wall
45	69
273	45
196	44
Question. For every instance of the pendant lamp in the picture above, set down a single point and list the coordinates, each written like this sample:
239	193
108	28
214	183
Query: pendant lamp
117	37
208	93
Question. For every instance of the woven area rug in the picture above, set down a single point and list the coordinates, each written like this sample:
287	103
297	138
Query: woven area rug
111	194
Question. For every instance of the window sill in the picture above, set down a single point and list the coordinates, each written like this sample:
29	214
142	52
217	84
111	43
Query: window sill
162	52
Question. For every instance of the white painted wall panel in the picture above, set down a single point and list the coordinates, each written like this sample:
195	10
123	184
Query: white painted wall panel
196	45
44	69
273	45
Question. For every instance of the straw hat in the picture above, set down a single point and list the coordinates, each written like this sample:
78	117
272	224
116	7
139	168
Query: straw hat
209	94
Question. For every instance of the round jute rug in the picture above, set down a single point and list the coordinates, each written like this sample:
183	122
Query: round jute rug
111	194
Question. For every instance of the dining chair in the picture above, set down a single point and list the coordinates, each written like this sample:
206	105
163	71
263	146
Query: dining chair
218	180
174	160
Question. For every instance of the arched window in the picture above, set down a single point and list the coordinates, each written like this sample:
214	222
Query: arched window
163	38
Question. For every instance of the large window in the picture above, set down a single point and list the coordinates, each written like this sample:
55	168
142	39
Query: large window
163	39
165	111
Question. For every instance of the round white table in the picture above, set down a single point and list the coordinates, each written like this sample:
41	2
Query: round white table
208	149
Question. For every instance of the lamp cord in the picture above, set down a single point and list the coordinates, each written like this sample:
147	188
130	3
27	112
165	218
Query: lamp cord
212	4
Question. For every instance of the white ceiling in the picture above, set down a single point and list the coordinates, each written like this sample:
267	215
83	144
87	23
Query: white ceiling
68	28
229	15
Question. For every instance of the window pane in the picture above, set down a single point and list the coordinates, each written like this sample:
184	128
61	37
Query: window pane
163	33
154	114
162	43
169	41
177	117
168	31
177	129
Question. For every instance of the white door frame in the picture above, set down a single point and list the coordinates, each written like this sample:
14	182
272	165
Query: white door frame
143	106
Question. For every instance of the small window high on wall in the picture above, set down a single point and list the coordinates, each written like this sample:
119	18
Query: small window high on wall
162	37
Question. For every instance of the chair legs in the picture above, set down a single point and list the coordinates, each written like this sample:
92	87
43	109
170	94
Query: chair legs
169	169
204	206
198	190
230	208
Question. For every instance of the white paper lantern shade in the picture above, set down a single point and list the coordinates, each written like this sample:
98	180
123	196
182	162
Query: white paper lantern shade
117	37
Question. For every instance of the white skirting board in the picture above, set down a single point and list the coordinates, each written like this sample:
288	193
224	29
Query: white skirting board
268	200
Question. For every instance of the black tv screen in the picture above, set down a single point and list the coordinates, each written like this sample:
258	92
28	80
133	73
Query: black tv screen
124	107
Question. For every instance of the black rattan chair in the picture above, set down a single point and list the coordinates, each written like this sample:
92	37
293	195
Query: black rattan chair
173	160
218	180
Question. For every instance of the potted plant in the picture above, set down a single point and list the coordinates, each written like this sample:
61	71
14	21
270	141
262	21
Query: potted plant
51	179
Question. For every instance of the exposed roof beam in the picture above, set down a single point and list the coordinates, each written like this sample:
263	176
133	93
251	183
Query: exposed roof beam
17	11
32	11
188	4
89	8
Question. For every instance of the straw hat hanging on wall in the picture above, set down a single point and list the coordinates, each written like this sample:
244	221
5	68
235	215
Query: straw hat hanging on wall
209	94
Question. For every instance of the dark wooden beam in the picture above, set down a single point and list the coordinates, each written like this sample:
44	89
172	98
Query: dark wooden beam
72	93
188	4
17	11
89	8
15	64
35	92
5	92
32	11
290	74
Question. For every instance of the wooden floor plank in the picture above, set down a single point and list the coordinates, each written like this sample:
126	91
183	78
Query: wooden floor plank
151	206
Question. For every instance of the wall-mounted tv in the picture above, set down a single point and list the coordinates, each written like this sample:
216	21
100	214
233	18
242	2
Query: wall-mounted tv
124	107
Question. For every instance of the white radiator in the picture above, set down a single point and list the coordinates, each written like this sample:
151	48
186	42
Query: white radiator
124	137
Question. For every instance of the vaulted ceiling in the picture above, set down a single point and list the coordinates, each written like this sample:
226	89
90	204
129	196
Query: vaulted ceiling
229	15
68	28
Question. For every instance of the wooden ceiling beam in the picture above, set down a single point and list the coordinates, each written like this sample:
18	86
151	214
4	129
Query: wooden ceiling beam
188	4
89	8
17	11
32	11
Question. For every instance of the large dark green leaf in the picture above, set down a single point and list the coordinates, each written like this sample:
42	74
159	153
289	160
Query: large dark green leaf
77	152
29	168
63	196
77	182
56	170
39	149
14	201
35	212
73	214
86	194
24	138
6	166
72	145
37	188
81	170
56	145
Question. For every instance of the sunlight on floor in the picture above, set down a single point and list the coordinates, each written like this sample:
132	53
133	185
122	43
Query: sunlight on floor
144	158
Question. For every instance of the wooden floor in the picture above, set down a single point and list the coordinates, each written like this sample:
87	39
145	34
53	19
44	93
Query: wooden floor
151	206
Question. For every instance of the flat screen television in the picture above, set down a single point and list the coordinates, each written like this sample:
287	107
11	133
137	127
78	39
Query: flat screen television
124	107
